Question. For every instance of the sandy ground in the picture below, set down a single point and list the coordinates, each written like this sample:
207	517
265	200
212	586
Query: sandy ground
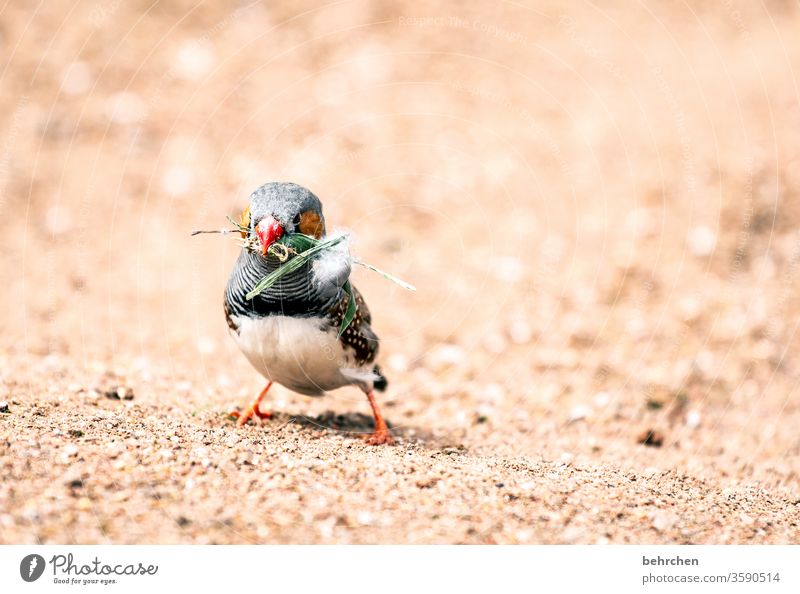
598	205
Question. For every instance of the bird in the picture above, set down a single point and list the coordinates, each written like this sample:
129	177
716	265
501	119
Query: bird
290	332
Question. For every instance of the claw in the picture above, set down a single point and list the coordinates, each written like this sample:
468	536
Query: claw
252	410
380	438
262	414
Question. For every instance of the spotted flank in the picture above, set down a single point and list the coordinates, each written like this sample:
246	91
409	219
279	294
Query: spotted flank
358	335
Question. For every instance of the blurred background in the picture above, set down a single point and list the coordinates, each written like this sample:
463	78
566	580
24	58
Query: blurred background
597	201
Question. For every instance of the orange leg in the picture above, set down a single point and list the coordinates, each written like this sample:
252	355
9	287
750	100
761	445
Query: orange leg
381	435
253	410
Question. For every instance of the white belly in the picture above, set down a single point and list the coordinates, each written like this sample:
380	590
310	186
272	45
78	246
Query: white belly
299	354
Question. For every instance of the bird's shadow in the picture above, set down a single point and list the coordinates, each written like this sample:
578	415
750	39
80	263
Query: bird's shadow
351	424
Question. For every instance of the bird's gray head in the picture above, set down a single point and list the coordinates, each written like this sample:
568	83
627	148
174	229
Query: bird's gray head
281	207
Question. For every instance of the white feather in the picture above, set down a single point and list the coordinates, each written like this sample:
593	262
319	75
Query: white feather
333	265
299	353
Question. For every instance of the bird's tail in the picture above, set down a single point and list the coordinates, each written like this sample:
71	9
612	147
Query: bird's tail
380	383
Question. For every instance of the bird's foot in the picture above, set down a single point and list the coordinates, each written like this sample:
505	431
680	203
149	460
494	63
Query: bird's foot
380	437
250	412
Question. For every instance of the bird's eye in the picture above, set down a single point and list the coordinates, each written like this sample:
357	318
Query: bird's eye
296	221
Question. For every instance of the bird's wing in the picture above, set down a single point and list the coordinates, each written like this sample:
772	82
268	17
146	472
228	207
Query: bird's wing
358	336
363	309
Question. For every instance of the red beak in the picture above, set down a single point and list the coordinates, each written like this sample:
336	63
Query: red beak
268	231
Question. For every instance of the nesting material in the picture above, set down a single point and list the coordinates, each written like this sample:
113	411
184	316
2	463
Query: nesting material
293	250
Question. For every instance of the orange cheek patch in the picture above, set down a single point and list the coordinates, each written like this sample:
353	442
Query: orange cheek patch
311	224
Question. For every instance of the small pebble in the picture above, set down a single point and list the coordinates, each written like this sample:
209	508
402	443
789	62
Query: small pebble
495	343
427	483
447	355
508	269
263	532
572	534
398	363
57	220
663	521
693	419
601	399
520	332
493	393
651	437
183	521
194	60
124	108
701	241
578	413
177	181
364	518
113	394
206	346
524	535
